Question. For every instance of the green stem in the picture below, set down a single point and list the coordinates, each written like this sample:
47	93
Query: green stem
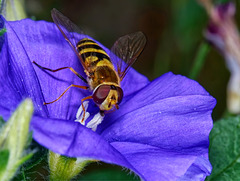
199	60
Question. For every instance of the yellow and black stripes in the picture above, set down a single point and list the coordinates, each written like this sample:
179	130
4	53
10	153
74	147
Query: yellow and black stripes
98	63
91	52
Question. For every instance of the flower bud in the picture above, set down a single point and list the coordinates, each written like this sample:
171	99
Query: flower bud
14	135
13	10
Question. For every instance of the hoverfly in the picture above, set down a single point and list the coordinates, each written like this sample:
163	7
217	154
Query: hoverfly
102	78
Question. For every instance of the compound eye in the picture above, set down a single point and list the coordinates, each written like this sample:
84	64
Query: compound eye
101	93
120	94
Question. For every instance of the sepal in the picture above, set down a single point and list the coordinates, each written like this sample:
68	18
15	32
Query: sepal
65	168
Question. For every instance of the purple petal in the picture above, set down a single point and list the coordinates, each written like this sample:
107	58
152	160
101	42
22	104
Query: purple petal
153	162
184	122
179	124
17	83
74	140
198	170
170	128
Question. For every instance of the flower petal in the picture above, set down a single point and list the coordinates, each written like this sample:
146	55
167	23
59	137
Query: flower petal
74	140
166	86
178	123
183	123
198	170
17	83
157	163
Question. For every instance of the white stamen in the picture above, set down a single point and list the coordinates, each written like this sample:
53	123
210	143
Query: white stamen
79	115
97	119
92	124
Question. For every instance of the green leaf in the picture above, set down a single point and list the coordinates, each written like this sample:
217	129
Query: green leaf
4	155
105	171
2	31
24	159
224	150
2	122
39	156
23	173
35	167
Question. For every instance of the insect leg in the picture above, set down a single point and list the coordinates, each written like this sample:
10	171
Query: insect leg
84	111
72	85
81	77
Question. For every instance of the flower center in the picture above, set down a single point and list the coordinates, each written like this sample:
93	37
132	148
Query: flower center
94	122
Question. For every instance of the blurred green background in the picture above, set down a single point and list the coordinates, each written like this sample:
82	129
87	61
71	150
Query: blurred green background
174	30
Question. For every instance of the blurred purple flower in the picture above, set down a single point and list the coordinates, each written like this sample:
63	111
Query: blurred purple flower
222	32
160	131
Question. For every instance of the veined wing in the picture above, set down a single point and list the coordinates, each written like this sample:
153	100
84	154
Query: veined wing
128	48
68	30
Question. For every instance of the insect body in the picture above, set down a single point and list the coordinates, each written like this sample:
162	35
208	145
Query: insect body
102	78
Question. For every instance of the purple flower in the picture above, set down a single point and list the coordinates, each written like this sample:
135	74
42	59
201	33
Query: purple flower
160	131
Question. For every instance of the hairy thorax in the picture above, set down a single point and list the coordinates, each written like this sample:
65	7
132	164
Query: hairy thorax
103	74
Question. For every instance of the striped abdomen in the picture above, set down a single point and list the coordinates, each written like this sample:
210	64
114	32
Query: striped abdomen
97	62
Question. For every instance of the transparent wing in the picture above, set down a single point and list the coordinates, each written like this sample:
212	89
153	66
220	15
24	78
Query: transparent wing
69	30
128	48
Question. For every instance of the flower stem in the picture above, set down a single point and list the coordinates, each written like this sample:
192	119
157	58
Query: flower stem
199	60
